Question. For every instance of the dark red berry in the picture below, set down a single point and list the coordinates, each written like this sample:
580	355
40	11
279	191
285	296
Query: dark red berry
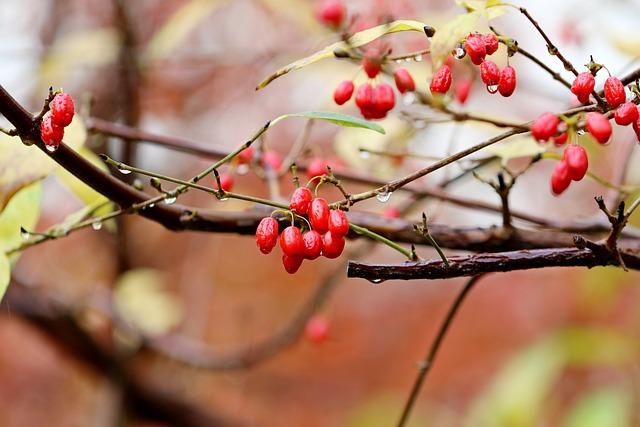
245	156
272	159
338	222
560	179
51	133
560	139
343	92
475	48
300	200
291	241
545	127
364	96
462	88
614	92
318	214
317	329
291	263
384	97
267	234
489	73
226	182
577	161
316	167
62	109
491	43
332	245
331	13
599	127
404	81
312	241
441	81
371	65
626	114
583	85
507	83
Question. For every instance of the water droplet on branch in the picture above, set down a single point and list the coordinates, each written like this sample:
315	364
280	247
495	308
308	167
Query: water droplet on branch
384	196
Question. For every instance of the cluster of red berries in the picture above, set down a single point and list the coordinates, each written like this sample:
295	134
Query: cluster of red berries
325	237
60	115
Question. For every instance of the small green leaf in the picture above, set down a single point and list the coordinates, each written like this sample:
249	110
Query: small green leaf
605	407
5	274
337	118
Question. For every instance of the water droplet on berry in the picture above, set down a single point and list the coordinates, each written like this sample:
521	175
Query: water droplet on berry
51	148
169	200
124	171
24	234
384	196
242	169
492	89
376	281
96	225
459	52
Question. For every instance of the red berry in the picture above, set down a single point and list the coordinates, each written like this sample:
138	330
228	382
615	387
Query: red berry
272	159
226	182
491	43
507	83
245	156
318	214
343	92
292	263
51	133
291	241
560	139
489	73
384	97
316	167
614	91
62	109
583	85
636	128
317	329
267	234
462	89
312	241
599	127
391	212
577	161
332	245
560	178
331	13
404	81
545	127
371	65
364	96
441	81
300	200
626	114
475	48
338	222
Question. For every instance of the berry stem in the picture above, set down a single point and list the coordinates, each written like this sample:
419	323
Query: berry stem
374	236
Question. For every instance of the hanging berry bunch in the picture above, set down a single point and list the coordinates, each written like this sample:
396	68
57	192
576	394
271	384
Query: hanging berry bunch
59	116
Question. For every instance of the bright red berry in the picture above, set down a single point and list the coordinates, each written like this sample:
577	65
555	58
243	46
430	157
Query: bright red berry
226	182
507	83
291	241
343	92
614	91
626	114
583	85
545	127
636	128
331	13
272	159
291	263
599	127
391	212
577	161
404	81
462	88
316	167
267	234
332	245
371	64
489	73
300	200
364	96
384	97
475	48
312	241
51	133
245	156
441	81
318	214
62	109
491	43
560	178
560	139
317	329
338	222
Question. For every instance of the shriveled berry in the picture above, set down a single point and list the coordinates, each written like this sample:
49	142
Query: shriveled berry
245	156
267	234
226	181
489	73
332	245
475	48
316	167
583	85
331	13
545	127
338	222
384	97
577	161
371	65
614	91
441	81
404	81
291	263
51	133
462	88
491	43
343	92
312	241
599	127
272	159
507	84
62	109
300	200
291	241
560	178
317	329
364	96
318	214
626	114
560	139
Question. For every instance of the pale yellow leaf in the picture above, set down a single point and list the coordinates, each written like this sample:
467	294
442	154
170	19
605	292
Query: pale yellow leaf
22	211
5	274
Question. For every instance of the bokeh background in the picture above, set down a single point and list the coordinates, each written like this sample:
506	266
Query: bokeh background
555	347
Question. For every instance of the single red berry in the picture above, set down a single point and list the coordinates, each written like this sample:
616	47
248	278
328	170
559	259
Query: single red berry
371	64
331	13
475	48
226	181
267	234
636	128
317	329
364	96
545	127
62	109
491	43
583	85
462	88
614	91
343	92
291	263
599	127
300	200
338	222
312	241
332	245
51	133
560	178
272	159
384	97
560	139
291	241
577	161
318	214
404	81
316	167
441	81
489	73
391	212
245	156
507	83
626	114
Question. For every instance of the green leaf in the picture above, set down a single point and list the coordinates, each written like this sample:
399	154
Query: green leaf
358	39
22	211
609	407
336	118
5	274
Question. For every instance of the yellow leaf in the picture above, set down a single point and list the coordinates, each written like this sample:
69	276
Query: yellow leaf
5	274
22	211
627	42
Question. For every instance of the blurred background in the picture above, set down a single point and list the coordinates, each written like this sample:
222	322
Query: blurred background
554	347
